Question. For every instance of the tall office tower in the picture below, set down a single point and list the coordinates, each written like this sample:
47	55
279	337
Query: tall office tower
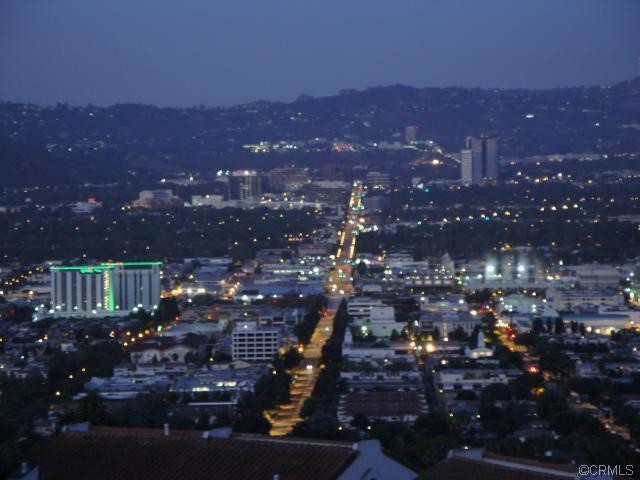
107	289
244	184
486	148
410	134
470	167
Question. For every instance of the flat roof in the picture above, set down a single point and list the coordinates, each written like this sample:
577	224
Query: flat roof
104	266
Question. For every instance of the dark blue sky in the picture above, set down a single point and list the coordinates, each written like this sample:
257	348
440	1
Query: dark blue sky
220	52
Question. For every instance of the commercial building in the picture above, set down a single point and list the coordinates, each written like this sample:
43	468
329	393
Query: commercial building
476	379
333	192
485	151
470	167
378	180
157	199
520	267
359	308
86	208
253	343
244	184
106	289
374	317
206	200
447	323
591	275
287	179
578	300
387	406
410	134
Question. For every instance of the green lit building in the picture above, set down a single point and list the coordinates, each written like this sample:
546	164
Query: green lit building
106	289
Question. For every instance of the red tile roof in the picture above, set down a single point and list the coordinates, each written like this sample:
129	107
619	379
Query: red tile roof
138	454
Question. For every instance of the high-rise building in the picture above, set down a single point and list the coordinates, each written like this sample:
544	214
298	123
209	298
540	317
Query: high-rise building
486	148
410	134
244	184
106	289
470	167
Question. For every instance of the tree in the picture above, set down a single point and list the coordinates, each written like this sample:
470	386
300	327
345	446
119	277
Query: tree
168	310
203	299
459	335
251	422
550	402
508	358
431	424
292	358
556	361
91	409
360	421
566	422
468	395
559	326
436	334
537	326
522	385
362	269
495	392
473	340
305	329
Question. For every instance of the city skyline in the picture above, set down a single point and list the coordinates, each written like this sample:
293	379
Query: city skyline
356	279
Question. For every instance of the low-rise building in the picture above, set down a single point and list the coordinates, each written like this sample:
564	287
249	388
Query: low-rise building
471	379
449	322
253	343
577	300
387	406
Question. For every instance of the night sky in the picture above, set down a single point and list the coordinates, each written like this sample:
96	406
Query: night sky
221	52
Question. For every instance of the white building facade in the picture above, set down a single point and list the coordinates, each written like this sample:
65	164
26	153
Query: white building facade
253	343
107	289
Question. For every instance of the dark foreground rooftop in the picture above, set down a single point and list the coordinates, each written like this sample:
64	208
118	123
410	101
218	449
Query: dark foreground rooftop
136	454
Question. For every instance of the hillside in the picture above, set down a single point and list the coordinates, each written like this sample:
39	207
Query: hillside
77	144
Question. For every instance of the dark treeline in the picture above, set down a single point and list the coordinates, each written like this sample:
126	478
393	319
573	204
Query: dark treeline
176	234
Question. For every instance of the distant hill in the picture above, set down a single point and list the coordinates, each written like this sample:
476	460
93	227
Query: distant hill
77	144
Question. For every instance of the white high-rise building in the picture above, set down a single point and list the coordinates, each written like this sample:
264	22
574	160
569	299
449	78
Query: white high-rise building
410	134
106	289
253	343
470	167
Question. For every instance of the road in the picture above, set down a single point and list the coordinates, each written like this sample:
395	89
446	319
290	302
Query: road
340	279
338	286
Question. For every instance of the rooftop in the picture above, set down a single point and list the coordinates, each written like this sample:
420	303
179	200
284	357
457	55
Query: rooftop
136	454
488	466
384	404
